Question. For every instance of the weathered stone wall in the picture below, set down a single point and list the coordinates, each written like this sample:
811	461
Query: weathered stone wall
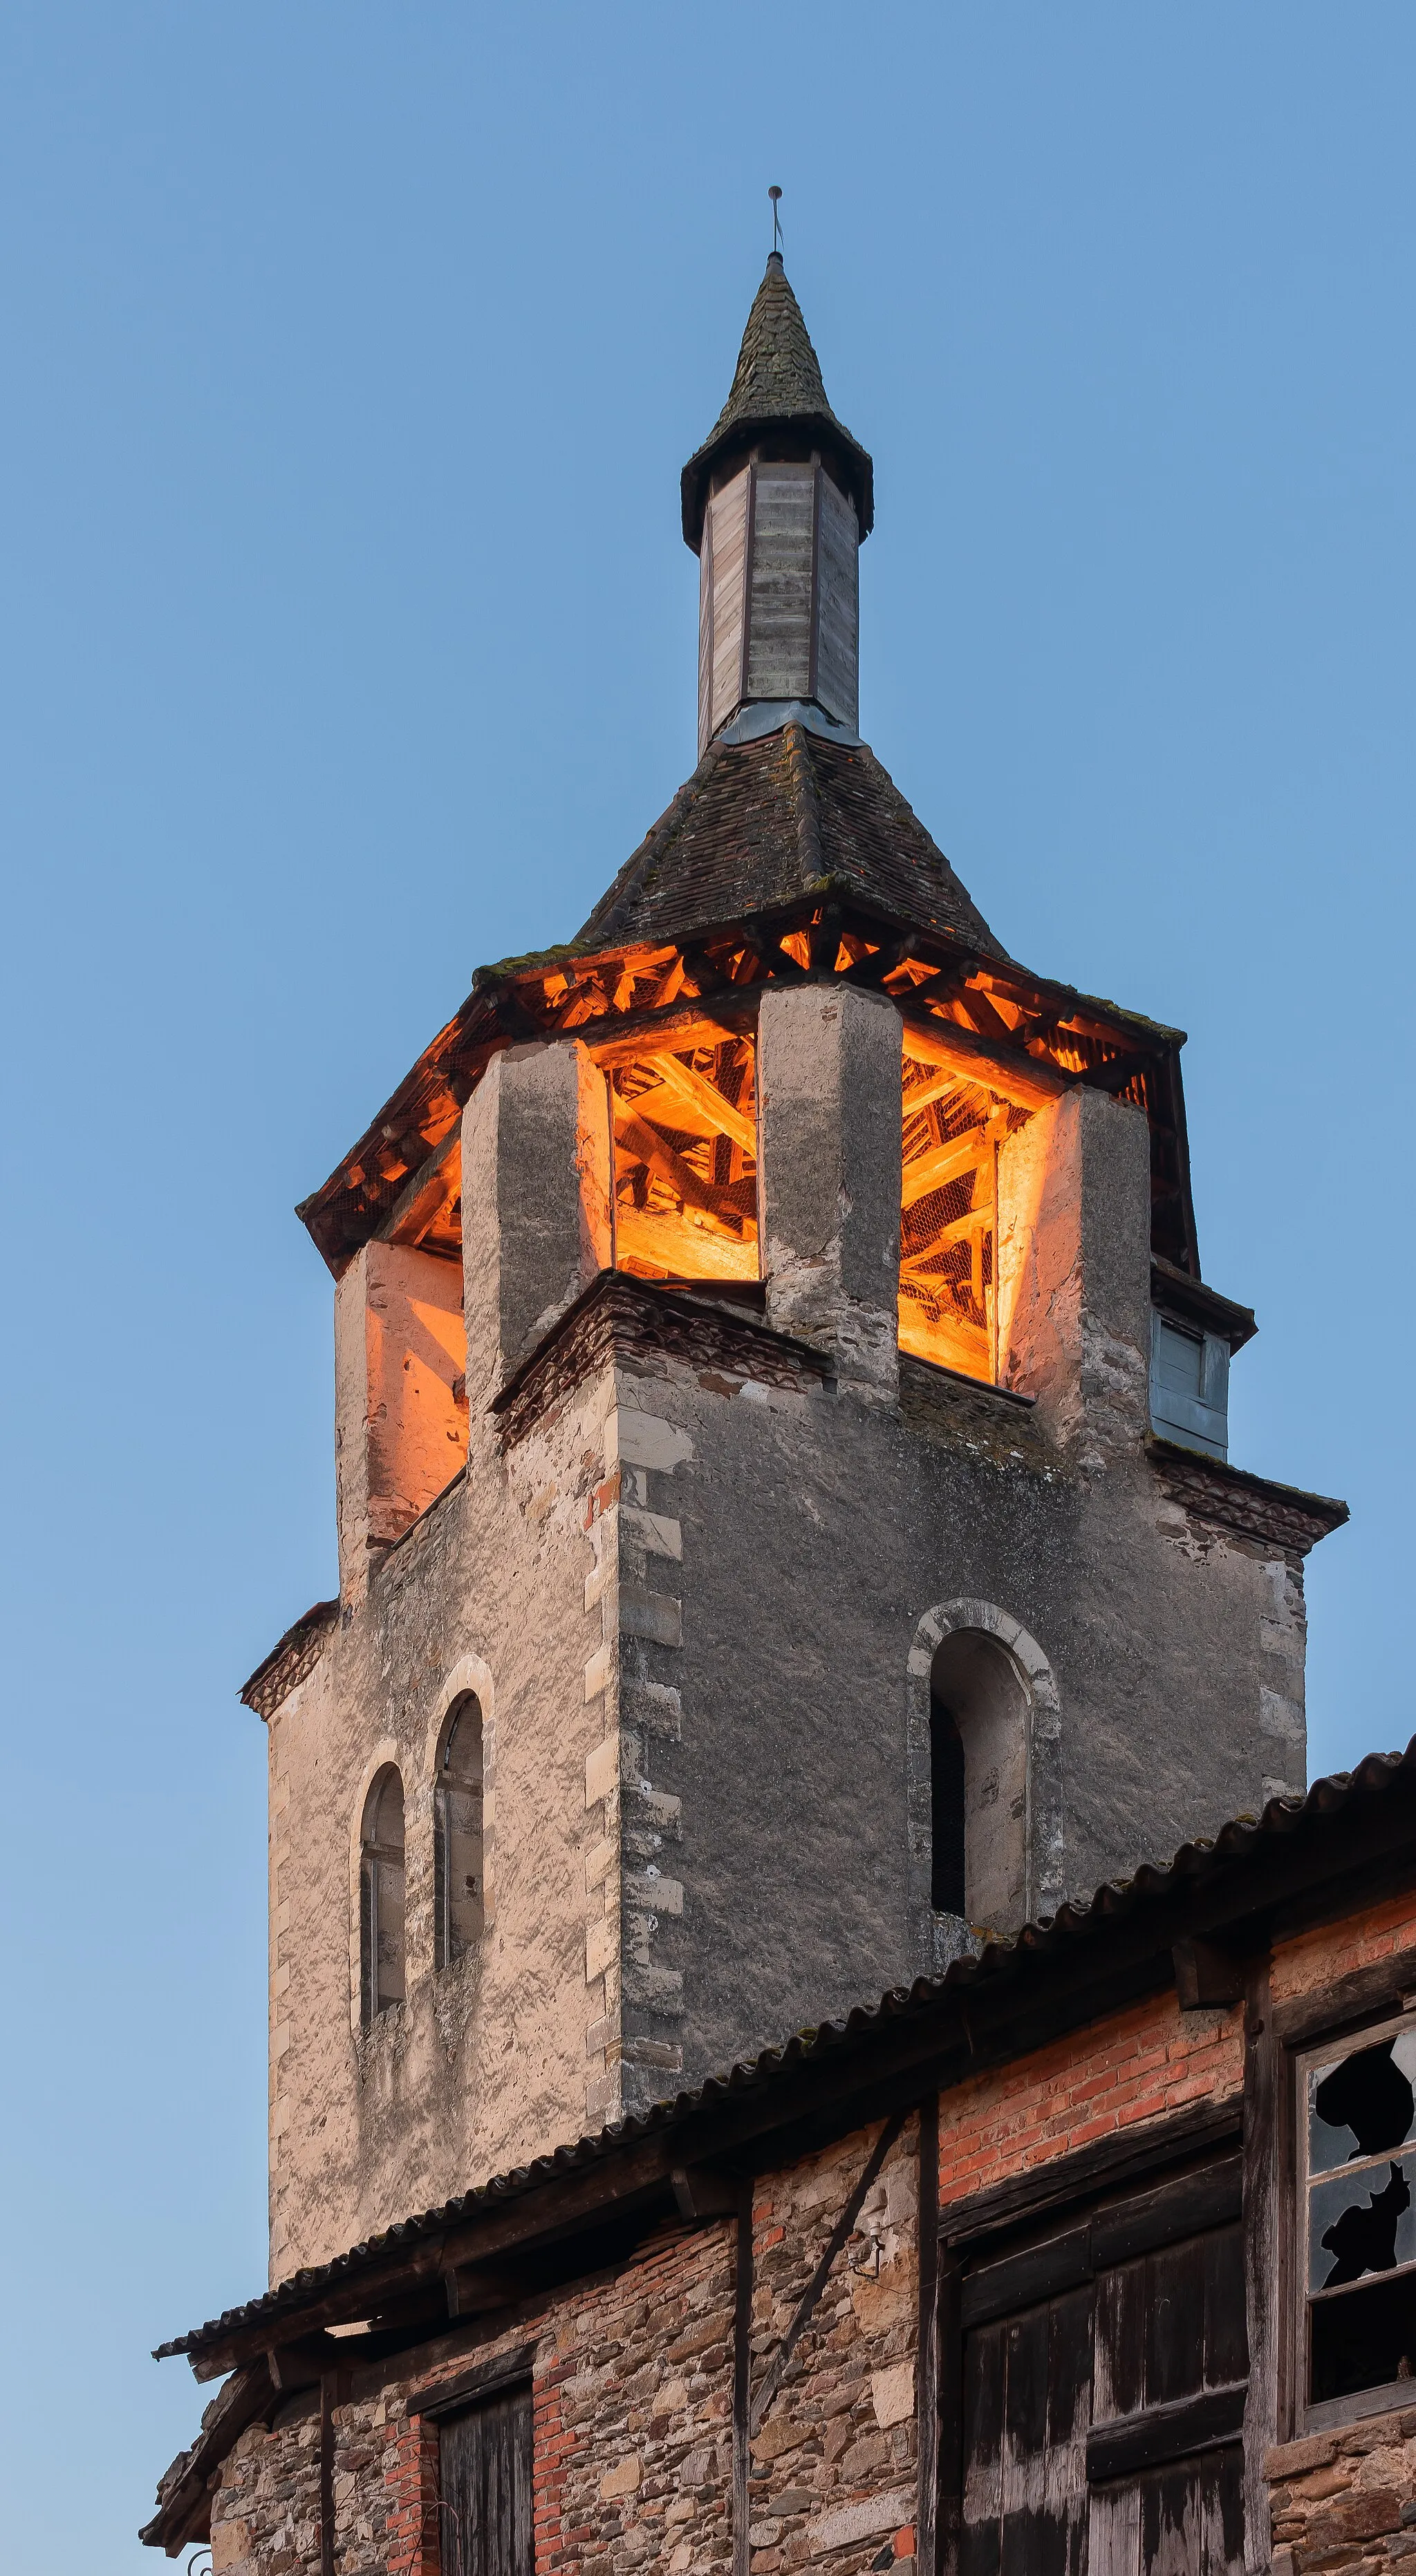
834	2479
694	1585
266	2512
1345	2500
485	2062
813	1536
632	2384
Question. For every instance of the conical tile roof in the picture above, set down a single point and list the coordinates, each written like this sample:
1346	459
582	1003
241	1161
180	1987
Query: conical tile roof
763	823
777	383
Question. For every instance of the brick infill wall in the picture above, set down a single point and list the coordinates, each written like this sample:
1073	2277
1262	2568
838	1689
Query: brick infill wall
1137	2066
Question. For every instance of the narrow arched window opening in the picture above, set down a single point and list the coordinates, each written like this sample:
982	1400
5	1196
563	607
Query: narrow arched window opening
457	1838
979	1735
946	1781
381	1897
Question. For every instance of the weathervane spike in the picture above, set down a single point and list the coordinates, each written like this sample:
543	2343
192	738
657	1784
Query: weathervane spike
776	196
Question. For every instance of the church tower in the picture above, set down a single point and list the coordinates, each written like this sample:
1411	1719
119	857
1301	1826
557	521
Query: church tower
786	1533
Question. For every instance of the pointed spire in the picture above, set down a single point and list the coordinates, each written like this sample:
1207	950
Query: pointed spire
777	386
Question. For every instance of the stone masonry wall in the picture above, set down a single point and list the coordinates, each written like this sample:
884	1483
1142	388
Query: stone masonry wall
1345	2501
834	2467
632	2399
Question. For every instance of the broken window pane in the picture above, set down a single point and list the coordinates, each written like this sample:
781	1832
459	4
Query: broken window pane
1360	2191
1365	2105
1361	2222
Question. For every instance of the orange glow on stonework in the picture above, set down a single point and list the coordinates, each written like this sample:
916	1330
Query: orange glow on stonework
954	1123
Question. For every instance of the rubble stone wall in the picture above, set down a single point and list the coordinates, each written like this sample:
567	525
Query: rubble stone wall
632	2383
1345	2500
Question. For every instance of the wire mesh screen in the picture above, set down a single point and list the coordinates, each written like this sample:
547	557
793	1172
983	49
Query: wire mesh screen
953	1128
685	1162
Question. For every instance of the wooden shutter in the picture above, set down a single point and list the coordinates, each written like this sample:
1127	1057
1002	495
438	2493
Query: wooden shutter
1027	2395
485	2488
1104	2378
1164	2456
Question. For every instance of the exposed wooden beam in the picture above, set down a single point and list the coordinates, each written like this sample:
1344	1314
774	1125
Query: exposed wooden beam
1124	1069
691	1027
975	1221
928	1172
706	1099
663	1241
641	1141
512	1015
1016	1078
983	1014
937	1086
425	1193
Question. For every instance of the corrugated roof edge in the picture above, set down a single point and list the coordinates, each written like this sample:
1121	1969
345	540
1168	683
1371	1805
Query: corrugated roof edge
1235	1841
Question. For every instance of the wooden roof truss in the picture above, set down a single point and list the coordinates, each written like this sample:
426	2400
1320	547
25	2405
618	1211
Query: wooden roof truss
683	1005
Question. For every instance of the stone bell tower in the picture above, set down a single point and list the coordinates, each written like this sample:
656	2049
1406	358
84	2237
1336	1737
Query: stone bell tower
785	1526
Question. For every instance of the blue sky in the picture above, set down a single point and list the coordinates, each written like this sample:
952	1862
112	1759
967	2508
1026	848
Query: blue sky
348	640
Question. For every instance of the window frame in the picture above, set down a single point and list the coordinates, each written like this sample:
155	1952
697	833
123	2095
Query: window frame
1192	1421
448	1953
1331	2413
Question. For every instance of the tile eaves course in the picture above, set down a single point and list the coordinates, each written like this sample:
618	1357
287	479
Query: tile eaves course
1238	1844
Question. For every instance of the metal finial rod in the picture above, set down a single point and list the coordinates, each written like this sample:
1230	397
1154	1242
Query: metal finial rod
776	196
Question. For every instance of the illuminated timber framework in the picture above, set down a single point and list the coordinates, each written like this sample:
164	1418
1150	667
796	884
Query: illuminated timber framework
673	1028
789	857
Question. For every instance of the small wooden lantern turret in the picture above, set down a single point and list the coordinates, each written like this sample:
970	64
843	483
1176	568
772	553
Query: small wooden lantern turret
775	505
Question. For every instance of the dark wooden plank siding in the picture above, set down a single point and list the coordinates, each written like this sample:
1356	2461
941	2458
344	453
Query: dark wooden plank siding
705	634
727	539
779	643
485	2488
1101	2422
1027	2394
837	605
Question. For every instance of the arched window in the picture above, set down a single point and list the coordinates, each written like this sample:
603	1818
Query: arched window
381	1957
978	1739
457	1839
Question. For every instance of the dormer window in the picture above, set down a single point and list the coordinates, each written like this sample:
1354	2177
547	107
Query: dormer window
1189	1386
1194	1334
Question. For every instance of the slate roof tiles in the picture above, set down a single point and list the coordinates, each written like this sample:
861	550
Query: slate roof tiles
777	382
763	823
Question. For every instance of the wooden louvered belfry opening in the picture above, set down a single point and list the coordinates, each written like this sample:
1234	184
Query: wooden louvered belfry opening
1104	2374
953	1127
684	1141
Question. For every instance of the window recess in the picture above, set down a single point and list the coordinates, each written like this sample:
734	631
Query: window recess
381	1898
1356	2273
